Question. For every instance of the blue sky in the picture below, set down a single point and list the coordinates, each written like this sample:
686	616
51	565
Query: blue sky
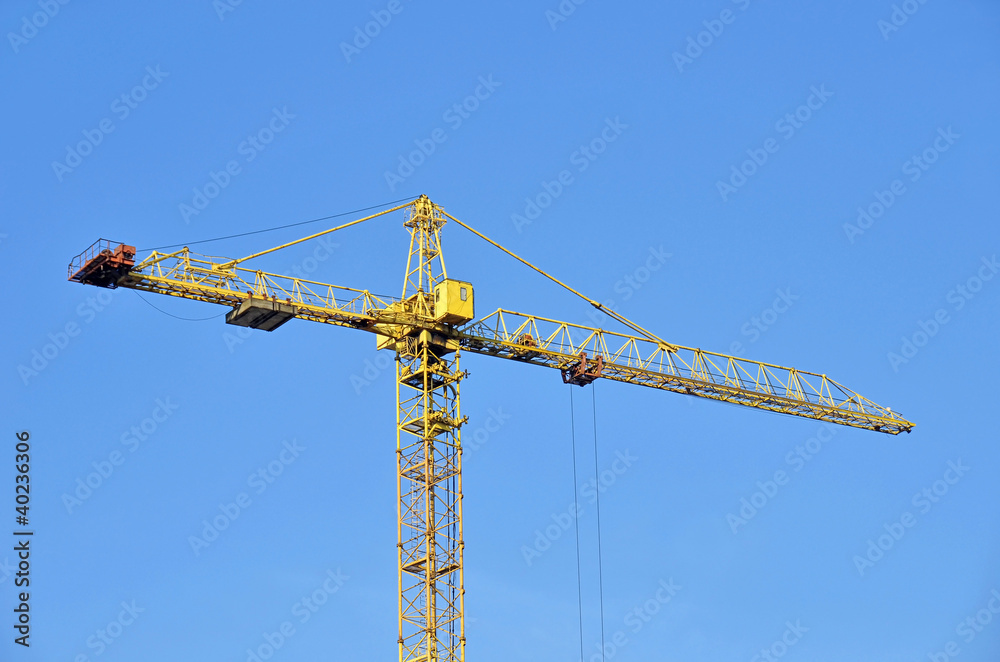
811	184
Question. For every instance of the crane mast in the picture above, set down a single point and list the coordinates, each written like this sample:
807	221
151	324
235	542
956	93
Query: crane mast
427	328
429	464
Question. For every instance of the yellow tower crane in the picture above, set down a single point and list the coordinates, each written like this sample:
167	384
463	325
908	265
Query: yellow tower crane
428	328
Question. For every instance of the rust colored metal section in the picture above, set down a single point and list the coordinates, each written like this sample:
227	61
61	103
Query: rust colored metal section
103	264
583	372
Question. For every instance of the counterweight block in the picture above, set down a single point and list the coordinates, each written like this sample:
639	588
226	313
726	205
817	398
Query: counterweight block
266	314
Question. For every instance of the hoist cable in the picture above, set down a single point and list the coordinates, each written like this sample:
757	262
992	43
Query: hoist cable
576	522
600	555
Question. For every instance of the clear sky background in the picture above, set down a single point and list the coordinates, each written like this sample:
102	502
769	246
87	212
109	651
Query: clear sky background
773	264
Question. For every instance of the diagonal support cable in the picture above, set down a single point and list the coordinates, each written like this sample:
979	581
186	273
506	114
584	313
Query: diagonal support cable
632	325
233	263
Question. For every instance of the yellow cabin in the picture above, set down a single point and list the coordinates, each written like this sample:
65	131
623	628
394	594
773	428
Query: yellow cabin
453	302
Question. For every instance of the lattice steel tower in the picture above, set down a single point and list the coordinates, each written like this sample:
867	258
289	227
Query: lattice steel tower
429	453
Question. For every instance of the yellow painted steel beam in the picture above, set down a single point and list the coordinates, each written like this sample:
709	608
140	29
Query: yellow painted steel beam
232	263
200	278
629	359
679	369
430	528
611	313
429	452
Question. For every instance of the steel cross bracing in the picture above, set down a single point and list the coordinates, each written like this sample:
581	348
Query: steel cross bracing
427	328
635	360
429	454
431	588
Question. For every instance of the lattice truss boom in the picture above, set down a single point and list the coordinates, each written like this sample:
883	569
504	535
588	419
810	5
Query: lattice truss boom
637	360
